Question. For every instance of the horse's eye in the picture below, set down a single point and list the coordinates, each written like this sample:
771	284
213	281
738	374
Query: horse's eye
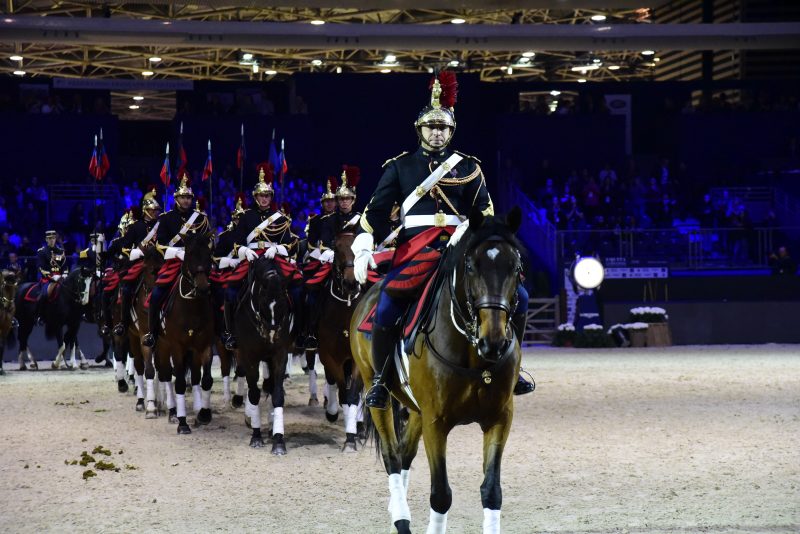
468	267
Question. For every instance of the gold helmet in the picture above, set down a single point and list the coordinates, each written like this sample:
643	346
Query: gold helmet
264	185
440	112
351	175
124	222
183	190
330	186
149	201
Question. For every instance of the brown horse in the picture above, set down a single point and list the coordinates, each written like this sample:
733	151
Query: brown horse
8	289
461	369
185	342
338	300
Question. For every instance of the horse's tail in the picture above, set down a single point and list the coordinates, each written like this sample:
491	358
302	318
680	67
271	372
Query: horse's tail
51	324
372	431
11	338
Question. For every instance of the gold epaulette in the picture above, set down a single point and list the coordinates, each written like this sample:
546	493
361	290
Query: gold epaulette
83	254
467	156
388	161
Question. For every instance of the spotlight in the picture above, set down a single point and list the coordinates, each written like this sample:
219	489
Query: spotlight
255	68
524	60
613	67
316	62
529	53
338	70
555	93
19	73
581	80
138	98
453	63
270	72
390	58
247	56
154	59
147	73
15	58
598	18
647	52
457	21
133	106
317	22
386	71
510	69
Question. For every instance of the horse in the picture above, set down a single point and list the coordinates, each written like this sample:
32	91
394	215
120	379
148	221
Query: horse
262	324
462	369
337	302
8	288
185	341
71	294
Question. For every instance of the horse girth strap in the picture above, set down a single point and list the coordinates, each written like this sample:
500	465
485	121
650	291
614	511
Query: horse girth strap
476	373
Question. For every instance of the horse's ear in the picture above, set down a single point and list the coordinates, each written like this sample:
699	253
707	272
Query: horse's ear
476	218
514	219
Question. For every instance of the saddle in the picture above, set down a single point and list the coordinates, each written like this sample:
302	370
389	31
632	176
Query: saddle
33	292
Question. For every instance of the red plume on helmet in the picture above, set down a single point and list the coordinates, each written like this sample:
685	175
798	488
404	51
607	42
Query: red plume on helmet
447	80
353	174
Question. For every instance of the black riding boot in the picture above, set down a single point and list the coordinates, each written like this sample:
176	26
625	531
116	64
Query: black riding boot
522	386
227	336
384	340
107	319
125	312
154	316
312	325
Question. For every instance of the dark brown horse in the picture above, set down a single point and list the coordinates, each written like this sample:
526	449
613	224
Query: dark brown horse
338	301
461	370
8	289
185	342
262	325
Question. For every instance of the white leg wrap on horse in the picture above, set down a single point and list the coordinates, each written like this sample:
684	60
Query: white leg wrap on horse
437	523
241	383
350	418
226	387
72	356
404	477
119	371
139	381
129	365
398	506
264	371
205	399
255	416
151	390
181	411
312	383
170	394
196	398
491	521
360	416
277	421
289	366
333	399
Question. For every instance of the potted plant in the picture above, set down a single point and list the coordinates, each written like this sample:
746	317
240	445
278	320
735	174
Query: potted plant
592	336
658	334
565	335
637	332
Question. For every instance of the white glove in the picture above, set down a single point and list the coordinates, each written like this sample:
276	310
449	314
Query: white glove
270	252
224	263
326	257
180	254
456	237
282	250
362	248
247	254
172	252
136	253
55	277
314	254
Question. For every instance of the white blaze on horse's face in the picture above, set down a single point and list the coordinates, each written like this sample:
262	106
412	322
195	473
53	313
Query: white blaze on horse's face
492	253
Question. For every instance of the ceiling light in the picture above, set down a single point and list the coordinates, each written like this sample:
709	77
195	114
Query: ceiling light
166	23
316	62
15	58
255	68
270	72
656	59
453	63
528	54
147	73
647	52
596	60
138	98
317	22
430	70
457	21
133	106
613	67
338	70
598	18
390	58
581	80
524	60
555	93
510	69
386	71
8	20
154	59
19	73
247	56
584	68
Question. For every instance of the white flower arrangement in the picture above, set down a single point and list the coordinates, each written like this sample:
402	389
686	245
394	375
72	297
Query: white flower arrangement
647	309
649	314
636	326
593	327
566	327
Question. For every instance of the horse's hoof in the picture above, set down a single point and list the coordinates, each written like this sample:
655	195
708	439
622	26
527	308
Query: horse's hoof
401	526
226	399
173	416
139	405
22	367
204	416
278	445
69	367
237	401
256	442
54	365
122	386
84	365
34	366
313	401
108	364
151	414
305	370
184	429
331	417
349	446
361	433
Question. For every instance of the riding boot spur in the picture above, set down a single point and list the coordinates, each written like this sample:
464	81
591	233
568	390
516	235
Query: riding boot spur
154	316
518	324
124	312
384	339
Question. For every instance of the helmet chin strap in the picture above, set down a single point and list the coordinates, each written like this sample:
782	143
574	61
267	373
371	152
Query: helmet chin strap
428	147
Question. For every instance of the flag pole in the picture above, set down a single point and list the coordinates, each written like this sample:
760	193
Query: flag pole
166	185
210	189
280	174
241	168
94	187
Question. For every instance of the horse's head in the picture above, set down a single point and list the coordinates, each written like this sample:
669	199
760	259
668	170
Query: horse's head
8	286
343	262
267	291
491	265
197	260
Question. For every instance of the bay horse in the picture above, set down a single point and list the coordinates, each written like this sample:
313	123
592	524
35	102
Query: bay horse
462	369
8	288
71	294
185	341
338	301
262	324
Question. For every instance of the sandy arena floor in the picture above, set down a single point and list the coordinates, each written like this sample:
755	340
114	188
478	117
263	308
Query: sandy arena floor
689	439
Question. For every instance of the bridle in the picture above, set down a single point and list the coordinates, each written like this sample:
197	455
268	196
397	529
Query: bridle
6	303
190	278
338	280
266	330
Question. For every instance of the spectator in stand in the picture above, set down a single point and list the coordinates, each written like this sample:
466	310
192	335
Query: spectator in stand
782	264
607	173
29	220
6	247
665	215
37	194
708	213
590	196
547	192
77	226
12	263
3	214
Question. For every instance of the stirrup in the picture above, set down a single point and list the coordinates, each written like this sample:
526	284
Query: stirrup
119	329
104	330
148	340
311	343
230	342
377	396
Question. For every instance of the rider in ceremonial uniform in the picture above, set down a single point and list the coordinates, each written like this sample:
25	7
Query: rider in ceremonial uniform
437	188
262	230
327	227
179	220
52	265
225	262
111	275
138	235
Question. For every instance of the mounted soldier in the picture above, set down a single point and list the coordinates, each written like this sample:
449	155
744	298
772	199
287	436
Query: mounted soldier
437	189
172	226
225	261
52	263
262	231
116	260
